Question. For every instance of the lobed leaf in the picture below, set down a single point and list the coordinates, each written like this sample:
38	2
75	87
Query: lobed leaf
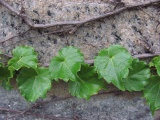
1	64
152	93
113	65
23	56
156	62
34	83
5	76
66	65
138	76
87	83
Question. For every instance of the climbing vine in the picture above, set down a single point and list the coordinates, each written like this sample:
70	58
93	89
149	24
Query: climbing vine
112	65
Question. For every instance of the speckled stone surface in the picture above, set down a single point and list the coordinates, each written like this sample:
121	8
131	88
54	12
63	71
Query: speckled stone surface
128	28
111	106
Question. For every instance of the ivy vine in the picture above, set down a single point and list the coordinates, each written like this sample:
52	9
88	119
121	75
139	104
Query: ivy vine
112	65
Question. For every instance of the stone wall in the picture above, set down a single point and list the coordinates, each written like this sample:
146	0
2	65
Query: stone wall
128	28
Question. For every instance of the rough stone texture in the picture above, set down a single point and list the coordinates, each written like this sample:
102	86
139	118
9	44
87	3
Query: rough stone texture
111	106
128	28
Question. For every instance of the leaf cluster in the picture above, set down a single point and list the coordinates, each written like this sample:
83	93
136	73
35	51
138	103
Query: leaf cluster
112	65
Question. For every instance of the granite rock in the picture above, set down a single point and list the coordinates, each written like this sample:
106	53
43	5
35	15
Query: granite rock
128	28
111	106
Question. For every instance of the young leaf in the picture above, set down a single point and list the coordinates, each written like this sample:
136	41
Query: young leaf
34	83
156	62
152	93
138	76
66	65
87	83
112	64
5	76
23	56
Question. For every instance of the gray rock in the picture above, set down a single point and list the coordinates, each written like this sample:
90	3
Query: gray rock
127	28
111	106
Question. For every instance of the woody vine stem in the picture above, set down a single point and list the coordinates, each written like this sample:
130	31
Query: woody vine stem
77	24
24	60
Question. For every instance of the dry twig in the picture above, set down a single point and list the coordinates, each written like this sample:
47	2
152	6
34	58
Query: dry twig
77	23
140	56
54	32
20	34
27	111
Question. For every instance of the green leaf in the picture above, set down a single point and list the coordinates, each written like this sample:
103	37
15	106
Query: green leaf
138	76
66	65
23	56
34	83
156	62
87	83
1	64
152	93
113	64
5	76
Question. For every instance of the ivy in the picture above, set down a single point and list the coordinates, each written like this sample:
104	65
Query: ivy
138	76
152	93
34	83
87	83
66	65
23	56
5	77
112	65
156	63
